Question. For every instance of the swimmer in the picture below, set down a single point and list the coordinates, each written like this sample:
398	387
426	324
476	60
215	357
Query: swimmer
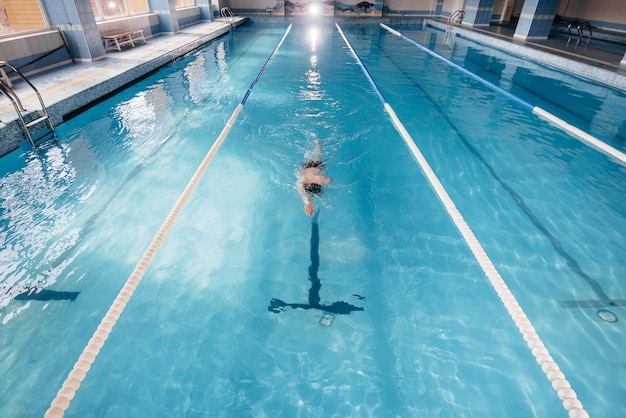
311	178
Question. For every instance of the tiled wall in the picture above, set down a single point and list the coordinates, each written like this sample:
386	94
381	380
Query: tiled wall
607	14
22	50
147	22
188	16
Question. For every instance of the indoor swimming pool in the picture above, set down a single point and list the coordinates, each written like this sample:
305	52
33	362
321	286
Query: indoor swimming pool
426	284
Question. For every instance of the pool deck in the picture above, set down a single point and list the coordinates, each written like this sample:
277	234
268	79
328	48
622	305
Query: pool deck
596	64
69	89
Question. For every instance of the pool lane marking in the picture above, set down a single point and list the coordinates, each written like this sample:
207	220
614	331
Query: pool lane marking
602	301
552	371
61	402
583	136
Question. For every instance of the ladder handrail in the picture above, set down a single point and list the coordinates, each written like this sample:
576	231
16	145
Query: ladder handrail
456	18
7	89
580	27
227	14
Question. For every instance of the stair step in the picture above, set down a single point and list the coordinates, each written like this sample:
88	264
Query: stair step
36	121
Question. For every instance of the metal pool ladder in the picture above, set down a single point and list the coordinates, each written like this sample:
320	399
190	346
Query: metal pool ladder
580	28
456	18
228	15
35	118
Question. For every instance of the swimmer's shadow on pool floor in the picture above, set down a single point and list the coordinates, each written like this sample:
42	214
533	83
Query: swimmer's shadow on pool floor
338	308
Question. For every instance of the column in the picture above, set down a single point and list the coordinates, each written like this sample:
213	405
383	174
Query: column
78	23
206	9
536	19
478	12
166	11
438	8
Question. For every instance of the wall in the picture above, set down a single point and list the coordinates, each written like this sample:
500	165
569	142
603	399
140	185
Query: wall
252	6
338	7
502	10
148	22
451	6
188	16
410	7
22	50
601	13
606	14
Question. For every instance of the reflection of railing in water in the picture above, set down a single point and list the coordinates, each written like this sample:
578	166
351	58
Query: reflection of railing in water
227	14
580	27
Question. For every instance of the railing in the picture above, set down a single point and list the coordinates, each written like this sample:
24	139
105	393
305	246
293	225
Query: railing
6	87
456	18
580	29
227	14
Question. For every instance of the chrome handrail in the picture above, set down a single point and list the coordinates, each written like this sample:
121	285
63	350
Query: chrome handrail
580	28
6	87
227	14
456	18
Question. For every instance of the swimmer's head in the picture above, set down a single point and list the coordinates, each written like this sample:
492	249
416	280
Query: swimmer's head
313	188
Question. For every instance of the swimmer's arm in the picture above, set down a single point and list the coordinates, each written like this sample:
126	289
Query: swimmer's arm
306	198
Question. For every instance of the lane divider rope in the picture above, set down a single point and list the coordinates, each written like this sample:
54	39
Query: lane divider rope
581	135
540	352
61	402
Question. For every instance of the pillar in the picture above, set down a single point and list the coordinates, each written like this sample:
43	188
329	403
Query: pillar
206	9
166	11
78	23
438	8
536	19
478	12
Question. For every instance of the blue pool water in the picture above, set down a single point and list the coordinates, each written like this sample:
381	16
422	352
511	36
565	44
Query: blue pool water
426	334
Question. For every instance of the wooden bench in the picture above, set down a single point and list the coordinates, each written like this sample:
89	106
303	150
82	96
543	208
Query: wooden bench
118	40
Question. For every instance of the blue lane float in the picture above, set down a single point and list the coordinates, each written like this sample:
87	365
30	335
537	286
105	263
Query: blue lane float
581	135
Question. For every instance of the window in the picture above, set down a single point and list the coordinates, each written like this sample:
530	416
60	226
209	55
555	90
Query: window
20	16
185	3
108	9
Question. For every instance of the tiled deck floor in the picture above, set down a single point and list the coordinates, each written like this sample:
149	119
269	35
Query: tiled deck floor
71	87
558	45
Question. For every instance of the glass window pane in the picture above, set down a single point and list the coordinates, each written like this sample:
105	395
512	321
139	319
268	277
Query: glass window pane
111	8
20	15
138	6
184	3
